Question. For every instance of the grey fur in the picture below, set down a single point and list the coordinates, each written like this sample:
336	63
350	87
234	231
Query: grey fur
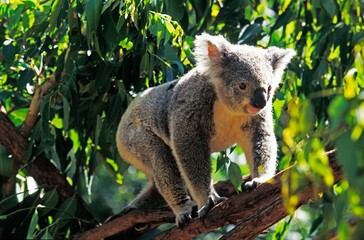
169	131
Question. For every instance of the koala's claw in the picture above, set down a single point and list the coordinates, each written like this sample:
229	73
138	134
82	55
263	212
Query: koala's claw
183	219
250	186
202	213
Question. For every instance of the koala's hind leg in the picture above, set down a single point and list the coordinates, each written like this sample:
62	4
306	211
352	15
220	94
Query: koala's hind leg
167	179
151	155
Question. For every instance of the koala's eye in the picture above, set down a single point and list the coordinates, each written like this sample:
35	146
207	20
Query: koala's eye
242	86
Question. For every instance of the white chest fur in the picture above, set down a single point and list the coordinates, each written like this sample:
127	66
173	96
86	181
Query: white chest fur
228	128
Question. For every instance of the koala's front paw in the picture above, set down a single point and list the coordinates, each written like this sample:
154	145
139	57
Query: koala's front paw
213	200
250	185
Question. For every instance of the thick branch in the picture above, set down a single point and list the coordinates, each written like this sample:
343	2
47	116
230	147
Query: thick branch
251	212
41	169
11	139
129	221
31	118
17	145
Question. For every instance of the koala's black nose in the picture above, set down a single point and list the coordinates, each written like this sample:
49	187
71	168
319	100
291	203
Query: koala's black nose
259	98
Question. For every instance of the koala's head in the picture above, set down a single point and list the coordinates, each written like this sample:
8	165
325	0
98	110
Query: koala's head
245	77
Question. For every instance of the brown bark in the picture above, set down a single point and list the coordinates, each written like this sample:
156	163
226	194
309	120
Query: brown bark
41	169
11	139
43	172
251	212
27	127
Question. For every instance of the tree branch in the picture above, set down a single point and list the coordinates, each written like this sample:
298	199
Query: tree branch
40	92
251	212
41	169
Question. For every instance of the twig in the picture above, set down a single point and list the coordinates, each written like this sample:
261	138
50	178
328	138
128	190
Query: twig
40	92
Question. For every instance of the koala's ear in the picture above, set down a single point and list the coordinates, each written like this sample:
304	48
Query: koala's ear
212	51
279	59
209	50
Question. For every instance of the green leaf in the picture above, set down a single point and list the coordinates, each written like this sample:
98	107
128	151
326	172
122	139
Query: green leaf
281	230
9	51
56	9
66	212
126	43
307	117
284	19
97	46
46	235
26	77
175	8
169	74
98	129
18	116
144	65
221	162
49	200
32	225
348	153
6	163
235	176
44	113
109	31
330	7
66	113
113	111
93	14
316	223
337	109
250	33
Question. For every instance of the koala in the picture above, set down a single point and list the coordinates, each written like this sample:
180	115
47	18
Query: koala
169	131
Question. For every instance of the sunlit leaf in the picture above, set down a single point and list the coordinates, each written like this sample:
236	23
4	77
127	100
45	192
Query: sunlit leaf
351	86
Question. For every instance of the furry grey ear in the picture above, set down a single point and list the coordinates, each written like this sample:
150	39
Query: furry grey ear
208	50
279	59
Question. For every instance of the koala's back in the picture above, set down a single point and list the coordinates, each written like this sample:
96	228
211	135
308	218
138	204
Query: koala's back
158	109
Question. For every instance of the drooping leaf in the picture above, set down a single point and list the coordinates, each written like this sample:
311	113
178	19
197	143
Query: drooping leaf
235	176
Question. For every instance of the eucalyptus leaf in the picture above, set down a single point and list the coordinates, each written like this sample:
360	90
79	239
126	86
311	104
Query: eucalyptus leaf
235	176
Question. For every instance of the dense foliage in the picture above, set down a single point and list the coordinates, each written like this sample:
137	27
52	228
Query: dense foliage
100	54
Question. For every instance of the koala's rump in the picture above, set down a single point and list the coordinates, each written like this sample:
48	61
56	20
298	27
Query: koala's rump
147	114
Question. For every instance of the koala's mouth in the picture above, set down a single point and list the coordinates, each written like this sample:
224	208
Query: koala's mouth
252	109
